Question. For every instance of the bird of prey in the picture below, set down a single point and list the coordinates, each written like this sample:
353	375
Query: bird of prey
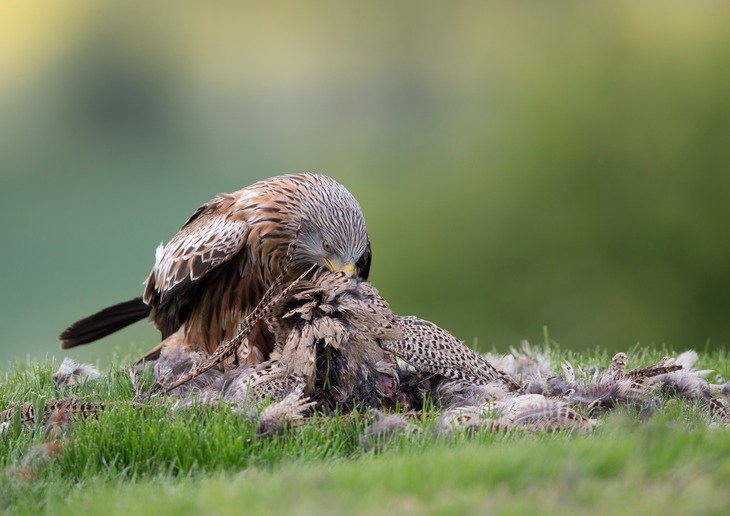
216	269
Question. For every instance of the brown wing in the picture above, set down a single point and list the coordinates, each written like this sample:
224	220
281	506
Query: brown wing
212	236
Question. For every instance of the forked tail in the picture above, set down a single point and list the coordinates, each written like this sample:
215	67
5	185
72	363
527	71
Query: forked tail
104	323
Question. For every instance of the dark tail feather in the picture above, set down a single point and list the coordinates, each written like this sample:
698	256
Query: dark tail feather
104	323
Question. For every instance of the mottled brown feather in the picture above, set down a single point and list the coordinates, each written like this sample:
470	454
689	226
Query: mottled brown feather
216	269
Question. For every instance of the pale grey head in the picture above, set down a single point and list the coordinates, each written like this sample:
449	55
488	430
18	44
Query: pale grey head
332	232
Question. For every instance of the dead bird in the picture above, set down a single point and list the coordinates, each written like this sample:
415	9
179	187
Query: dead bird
328	333
335	334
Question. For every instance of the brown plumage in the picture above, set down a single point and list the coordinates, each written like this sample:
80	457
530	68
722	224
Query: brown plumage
327	329
240	341
431	349
328	333
226	256
337	339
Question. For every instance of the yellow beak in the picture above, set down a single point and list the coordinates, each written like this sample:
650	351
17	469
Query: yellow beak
348	268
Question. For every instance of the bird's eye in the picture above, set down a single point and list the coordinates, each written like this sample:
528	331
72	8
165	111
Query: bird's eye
327	246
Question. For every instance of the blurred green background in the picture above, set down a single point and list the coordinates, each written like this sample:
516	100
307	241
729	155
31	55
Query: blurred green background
519	164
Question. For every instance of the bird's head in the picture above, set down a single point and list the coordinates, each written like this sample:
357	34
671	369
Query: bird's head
332	232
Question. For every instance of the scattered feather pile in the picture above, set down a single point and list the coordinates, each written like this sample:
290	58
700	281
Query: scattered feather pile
71	373
338	345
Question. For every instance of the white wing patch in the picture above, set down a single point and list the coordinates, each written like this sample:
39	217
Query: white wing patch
158	253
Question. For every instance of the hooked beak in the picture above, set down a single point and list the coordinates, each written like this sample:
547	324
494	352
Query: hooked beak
347	268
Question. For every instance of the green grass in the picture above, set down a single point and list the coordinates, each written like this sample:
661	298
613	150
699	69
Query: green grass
209	460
